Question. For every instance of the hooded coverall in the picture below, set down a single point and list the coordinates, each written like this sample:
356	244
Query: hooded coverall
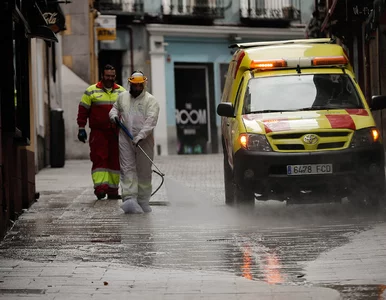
140	116
95	105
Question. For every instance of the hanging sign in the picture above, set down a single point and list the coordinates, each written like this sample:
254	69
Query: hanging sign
106	28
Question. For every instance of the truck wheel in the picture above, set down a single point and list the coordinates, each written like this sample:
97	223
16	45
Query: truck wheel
368	196
243	197
228	183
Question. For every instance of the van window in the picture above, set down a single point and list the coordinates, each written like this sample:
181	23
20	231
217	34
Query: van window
301	92
238	95
228	83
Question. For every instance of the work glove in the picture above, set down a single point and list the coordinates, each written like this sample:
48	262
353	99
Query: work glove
136	141
114	120
82	135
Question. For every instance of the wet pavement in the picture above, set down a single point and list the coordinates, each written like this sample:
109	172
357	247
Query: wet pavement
192	246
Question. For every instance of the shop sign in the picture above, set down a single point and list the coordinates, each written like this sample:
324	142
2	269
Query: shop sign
53	16
106	28
361	9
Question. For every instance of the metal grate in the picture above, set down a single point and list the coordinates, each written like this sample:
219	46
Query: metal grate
200	8
271	9
122	6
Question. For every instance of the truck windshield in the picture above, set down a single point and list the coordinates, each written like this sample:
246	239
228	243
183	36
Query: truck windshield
301	92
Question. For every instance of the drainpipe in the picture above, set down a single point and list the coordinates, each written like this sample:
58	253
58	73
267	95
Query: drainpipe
131	48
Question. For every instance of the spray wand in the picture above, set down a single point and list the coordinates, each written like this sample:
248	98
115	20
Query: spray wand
127	132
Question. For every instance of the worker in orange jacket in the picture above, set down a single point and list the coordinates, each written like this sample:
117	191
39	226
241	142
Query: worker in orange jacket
96	102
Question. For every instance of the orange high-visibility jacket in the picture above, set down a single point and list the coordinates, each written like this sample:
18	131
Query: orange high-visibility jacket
96	104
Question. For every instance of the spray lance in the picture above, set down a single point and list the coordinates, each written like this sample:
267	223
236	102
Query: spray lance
158	172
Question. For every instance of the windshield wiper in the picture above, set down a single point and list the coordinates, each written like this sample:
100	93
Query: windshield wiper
319	107
267	111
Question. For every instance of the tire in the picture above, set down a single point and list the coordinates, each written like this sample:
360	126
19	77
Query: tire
243	197
228	183
371	194
234	195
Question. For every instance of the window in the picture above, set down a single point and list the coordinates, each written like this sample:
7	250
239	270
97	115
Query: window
296	92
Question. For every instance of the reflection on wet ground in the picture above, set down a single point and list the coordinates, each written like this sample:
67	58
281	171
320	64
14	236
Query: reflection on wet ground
270	243
367	292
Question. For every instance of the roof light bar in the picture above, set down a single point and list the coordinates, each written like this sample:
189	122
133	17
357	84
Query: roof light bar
268	64
329	60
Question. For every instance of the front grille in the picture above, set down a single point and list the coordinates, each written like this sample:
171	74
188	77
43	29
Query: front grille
298	135
295	141
290	147
331	145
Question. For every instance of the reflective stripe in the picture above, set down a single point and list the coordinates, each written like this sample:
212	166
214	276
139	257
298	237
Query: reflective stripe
276	125
341	121
113	186
102	102
94	94
90	92
111	178
84	105
106	170
357	112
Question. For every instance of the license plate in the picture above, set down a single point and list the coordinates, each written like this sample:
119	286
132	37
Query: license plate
309	169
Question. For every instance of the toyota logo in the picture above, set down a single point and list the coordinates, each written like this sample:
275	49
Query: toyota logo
310	139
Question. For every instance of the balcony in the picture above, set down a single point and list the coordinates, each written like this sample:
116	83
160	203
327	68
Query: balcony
193	12
270	13
120	7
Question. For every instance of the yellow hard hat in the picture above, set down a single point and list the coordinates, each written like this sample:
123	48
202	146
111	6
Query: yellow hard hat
137	77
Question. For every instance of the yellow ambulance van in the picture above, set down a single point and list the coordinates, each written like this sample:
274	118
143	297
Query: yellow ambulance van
296	127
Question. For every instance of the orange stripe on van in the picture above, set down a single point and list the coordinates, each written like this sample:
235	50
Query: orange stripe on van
341	121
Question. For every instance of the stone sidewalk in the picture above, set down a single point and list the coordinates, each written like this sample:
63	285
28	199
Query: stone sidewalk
27	278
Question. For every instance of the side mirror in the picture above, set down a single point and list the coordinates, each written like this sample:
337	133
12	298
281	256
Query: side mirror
225	109
378	102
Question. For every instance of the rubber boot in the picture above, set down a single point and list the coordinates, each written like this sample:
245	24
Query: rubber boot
145	206
131	206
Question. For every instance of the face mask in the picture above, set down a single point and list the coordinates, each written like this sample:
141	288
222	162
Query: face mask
135	92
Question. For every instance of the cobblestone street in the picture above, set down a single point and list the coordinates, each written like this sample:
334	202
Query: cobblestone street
69	245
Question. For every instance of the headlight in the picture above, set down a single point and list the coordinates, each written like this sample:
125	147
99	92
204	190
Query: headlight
254	142
365	137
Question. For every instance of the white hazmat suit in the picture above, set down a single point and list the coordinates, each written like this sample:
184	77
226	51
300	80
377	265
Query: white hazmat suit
140	116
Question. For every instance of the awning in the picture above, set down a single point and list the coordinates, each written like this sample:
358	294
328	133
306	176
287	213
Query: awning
54	16
41	19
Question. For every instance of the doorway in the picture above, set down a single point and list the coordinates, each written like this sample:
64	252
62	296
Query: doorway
194	102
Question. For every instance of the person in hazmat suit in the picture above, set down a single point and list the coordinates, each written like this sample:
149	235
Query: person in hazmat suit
95	106
138	110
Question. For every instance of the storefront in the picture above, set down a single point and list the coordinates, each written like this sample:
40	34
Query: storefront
20	21
359	25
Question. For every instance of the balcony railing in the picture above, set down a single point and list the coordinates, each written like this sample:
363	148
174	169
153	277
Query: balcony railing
130	7
289	10
213	9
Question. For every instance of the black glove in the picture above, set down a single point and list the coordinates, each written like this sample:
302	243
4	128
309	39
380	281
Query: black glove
82	135
136	144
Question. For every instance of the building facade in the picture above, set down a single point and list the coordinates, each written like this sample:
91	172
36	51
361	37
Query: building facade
360	27
28	93
182	46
